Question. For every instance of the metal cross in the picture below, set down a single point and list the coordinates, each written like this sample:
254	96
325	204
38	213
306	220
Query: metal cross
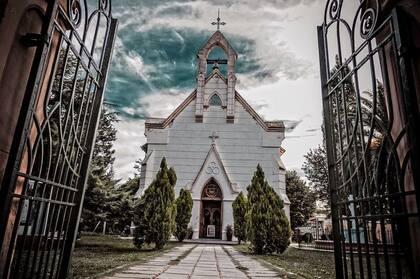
218	22
213	137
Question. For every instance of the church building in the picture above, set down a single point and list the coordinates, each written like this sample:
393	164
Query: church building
214	140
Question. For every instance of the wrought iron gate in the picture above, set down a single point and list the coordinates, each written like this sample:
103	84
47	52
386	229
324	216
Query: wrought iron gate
372	140
43	187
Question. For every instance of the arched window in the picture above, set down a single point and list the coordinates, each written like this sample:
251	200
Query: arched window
215	100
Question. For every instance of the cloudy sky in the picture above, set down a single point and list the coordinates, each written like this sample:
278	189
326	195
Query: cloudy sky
154	65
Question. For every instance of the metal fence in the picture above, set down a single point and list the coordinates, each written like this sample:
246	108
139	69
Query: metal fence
43	187
370	132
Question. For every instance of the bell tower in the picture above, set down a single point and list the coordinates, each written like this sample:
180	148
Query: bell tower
216	40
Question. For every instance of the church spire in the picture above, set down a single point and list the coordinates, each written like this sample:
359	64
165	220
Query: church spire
216	40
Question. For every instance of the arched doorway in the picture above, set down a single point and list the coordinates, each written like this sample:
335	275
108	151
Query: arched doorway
211	211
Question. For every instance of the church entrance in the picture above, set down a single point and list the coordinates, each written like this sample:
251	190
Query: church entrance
211	211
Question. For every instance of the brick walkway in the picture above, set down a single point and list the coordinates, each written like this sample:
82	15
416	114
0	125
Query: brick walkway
200	262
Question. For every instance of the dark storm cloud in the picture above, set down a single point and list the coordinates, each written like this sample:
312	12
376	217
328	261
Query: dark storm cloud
153	57
179	10
154	63
160	59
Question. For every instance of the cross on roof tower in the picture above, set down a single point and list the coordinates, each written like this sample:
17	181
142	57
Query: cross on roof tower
218	22
213	137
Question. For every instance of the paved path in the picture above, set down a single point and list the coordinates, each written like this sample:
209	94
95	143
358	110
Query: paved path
199	262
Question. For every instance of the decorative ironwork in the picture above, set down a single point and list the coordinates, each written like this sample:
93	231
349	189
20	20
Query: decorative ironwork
212	191
212	167
369	138
42	191
213	138
218	22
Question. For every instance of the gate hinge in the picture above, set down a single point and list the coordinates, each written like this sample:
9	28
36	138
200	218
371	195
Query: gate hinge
34	39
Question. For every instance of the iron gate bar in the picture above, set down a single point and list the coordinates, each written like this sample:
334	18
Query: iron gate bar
370	216
30	198
404	46
48	182
52	185
75	217
45	212
21	131
63	13
406	86
330	151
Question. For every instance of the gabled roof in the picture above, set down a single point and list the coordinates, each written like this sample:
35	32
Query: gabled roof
213	150
269	126
161	123
217	39
146	158
216	73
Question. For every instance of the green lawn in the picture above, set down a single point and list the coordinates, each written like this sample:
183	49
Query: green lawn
318	264
306	264
95	254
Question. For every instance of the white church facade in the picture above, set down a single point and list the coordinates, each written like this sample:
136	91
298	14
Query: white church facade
214	140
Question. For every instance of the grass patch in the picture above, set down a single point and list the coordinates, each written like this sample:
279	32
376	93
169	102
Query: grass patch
94	254
306	264
318	264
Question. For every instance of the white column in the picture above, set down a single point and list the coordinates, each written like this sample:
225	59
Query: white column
227	217
195	219
231	97
199	100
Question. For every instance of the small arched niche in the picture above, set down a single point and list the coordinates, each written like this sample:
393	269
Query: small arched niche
212	191
215	100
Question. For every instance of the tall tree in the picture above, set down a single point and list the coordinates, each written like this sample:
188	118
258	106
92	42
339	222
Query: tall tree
156	210
130	186
268	229
94	209
315	168
240	206
302	199
119	208
100	184
103	152
279	236
184	204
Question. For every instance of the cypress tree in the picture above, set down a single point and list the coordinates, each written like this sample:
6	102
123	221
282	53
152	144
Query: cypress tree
142	212
239	212
184	204
139	234
268	227
257	215
279	224
155	212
